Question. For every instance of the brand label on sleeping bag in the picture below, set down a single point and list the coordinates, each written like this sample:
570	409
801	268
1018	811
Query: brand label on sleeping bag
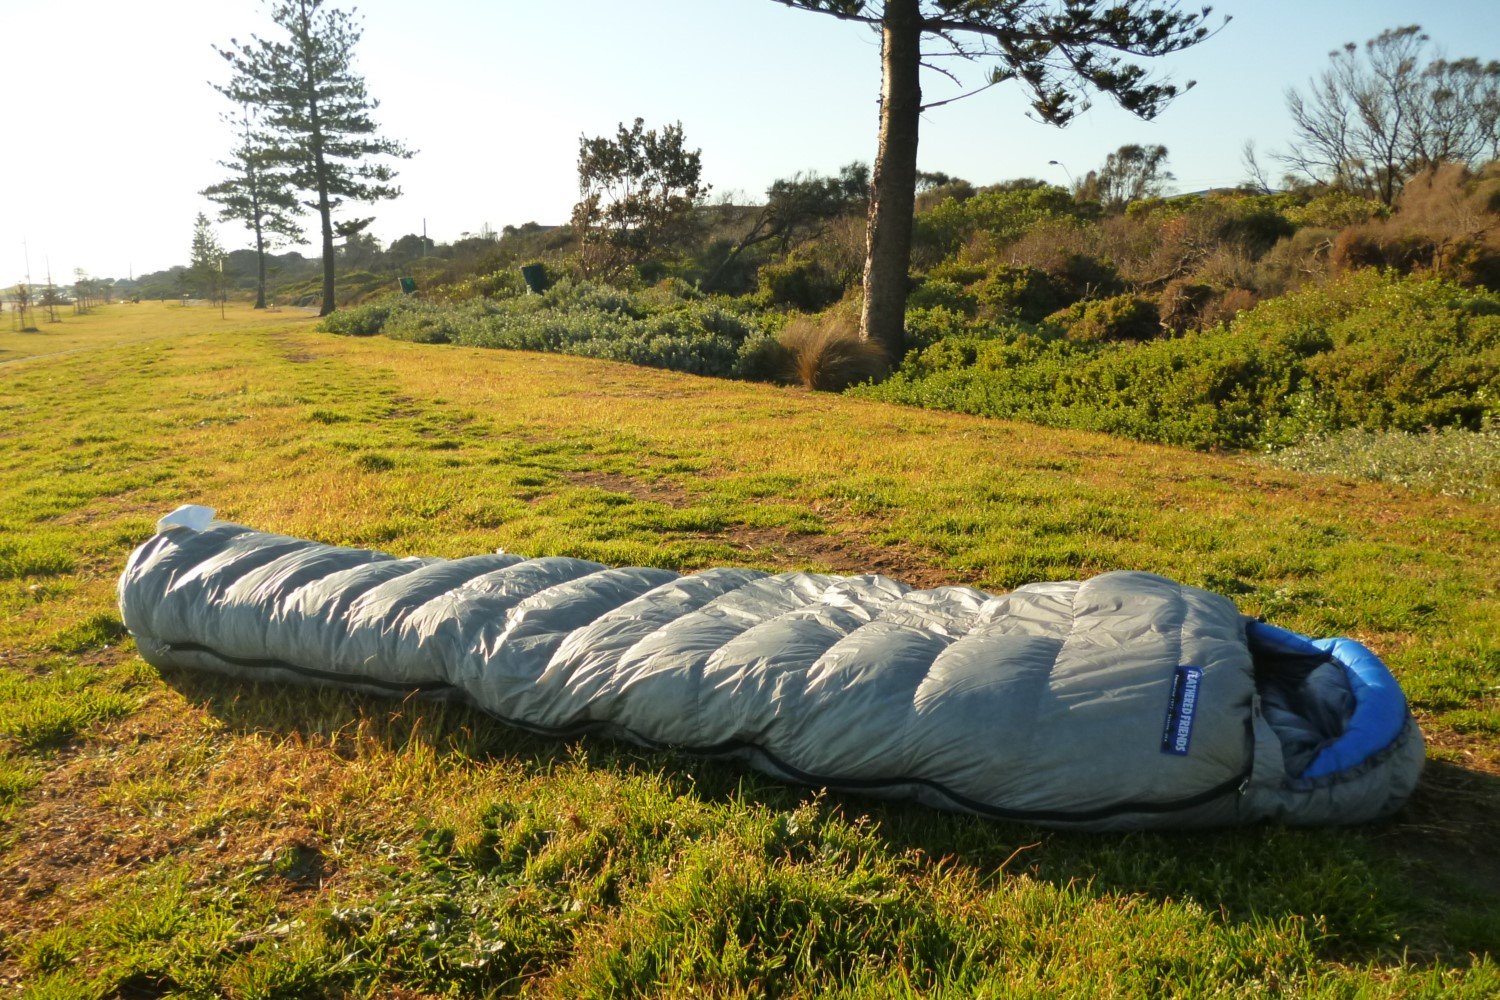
1178	731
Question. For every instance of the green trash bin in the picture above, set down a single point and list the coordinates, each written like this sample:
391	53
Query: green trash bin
535	276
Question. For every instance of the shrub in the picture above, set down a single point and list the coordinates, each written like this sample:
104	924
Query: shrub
937	292
1002	215
1372	350
800	282
925	327
1295	260
434	323
1019	292
827	352
1377	245
1122	317
1471	262
1445	223
1082	276
1335	210
763	358
959	272
1224	307
1051	243
1252	223
360	321
1182	304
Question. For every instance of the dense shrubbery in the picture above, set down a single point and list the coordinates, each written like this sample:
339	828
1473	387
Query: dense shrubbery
1230	319
669	326
1371	350
1119	317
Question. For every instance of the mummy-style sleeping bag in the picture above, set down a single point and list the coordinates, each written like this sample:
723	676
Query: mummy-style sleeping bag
1123	702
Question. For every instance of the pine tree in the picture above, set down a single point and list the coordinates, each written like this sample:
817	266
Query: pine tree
258	192
206	261
317	109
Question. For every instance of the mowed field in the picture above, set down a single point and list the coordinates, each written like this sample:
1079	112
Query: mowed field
183	836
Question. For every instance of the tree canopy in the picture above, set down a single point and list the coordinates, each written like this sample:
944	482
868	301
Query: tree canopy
206	261
637	191
1131	173
1059	50
258	193
1387	111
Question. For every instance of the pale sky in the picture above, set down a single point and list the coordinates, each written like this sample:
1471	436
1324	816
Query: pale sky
123	126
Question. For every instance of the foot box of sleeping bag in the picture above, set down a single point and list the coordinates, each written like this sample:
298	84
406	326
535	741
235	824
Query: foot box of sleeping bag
1121	702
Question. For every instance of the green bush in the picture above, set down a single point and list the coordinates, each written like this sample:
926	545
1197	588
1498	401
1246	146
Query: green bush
668	326
763	358
959	272
925	327
1255	222
1121	317
941	293
360	321
1018	292
800	282
1372	350
432	323
1335	210
1000	215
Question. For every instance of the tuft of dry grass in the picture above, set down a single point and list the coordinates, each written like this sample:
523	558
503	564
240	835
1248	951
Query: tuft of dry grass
827	353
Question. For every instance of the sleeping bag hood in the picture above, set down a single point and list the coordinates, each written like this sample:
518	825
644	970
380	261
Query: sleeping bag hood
1122	702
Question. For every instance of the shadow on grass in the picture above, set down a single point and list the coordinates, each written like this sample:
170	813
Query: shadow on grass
1424	885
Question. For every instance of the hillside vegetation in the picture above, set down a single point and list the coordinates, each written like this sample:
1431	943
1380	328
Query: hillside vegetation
1227	320
181	836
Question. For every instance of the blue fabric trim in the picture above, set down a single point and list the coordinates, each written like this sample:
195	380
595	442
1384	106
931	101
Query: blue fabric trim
1379	705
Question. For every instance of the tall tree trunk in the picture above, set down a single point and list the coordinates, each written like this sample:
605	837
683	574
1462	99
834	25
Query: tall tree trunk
893	189
260	267
320	169
326	215
260	240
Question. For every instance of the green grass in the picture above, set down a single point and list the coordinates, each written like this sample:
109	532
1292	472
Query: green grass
190	837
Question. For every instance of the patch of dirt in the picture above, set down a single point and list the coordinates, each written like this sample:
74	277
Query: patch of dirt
786	550
658	491
1467	751
840	554
402	407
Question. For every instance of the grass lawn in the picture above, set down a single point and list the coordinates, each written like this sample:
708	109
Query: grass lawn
182	836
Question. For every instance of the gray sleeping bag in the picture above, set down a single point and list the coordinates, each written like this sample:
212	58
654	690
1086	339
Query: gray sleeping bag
1122	702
